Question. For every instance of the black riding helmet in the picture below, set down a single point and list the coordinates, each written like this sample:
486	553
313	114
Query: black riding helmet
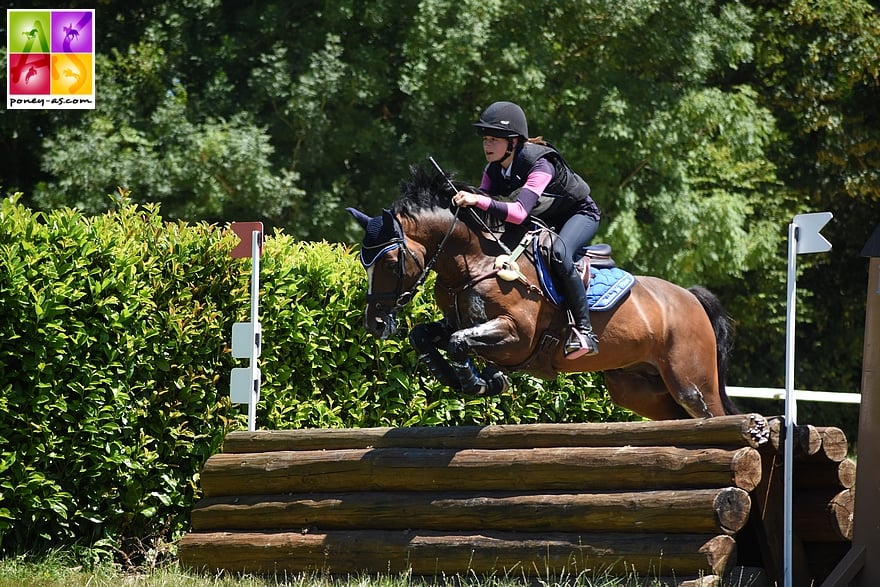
503	119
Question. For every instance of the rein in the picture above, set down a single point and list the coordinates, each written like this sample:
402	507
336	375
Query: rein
486	228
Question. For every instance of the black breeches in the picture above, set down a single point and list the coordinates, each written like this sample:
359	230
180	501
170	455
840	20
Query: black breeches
575	234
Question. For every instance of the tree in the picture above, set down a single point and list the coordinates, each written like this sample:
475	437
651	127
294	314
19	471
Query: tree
703	127
816	70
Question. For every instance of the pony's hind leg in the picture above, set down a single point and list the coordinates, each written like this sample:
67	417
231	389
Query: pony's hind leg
644	393
692	399
691	377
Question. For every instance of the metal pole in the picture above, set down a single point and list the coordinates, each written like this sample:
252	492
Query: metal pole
790	404
256	237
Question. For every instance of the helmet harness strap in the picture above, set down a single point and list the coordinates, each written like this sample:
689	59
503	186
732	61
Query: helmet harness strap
510	150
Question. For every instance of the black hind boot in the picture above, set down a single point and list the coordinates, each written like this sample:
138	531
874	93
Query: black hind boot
582	341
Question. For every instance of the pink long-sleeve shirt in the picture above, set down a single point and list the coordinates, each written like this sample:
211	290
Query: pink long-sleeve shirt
540	176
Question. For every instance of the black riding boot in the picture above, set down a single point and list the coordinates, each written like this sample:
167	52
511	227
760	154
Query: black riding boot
582	341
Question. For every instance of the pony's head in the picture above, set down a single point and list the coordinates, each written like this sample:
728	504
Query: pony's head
393	270
396	266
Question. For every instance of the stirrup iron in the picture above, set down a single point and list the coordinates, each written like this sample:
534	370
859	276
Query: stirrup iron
581	344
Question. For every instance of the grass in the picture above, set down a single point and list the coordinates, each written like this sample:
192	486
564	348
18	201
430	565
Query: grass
58	570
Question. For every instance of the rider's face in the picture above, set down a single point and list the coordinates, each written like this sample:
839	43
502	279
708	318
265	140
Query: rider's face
494	148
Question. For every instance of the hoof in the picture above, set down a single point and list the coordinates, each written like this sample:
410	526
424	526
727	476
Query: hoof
496	382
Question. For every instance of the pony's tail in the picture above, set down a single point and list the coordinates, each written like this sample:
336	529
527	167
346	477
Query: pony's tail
723	327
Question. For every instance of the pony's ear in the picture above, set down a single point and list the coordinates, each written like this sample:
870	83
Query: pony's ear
362	218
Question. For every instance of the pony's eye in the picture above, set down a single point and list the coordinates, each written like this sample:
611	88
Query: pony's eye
390	264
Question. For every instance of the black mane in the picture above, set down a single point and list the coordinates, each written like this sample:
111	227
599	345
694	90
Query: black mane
426	189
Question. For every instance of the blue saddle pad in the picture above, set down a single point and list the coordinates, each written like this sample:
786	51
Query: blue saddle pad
607	285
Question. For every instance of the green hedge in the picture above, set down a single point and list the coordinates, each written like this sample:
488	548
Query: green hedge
115	362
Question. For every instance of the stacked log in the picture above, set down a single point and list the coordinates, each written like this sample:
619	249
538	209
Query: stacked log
823	500
647	498
655	499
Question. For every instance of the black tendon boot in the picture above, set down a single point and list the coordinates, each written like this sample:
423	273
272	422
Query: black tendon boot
426	338
496	381
582	341
470	381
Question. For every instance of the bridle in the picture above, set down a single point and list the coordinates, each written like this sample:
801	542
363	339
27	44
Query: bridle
402	298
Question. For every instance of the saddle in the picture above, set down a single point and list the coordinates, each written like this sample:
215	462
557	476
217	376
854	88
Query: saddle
608	285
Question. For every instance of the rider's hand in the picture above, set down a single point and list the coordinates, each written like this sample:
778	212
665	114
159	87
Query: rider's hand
465	199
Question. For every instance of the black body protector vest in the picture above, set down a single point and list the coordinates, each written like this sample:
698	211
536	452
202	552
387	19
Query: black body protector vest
566	195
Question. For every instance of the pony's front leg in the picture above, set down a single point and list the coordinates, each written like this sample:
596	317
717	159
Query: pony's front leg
488	334
461	375
495	334
427	339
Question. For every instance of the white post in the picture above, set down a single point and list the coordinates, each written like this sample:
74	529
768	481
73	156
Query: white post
803	237
244	383
255	348
790	404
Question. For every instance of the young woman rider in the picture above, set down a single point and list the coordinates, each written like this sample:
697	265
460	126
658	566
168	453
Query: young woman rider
535	179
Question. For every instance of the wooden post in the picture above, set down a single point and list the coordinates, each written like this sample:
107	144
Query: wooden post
861	567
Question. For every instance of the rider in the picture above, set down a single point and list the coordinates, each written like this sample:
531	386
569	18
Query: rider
537	181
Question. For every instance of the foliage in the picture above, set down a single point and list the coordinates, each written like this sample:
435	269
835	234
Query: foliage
116	361
816	69
111	345
218	169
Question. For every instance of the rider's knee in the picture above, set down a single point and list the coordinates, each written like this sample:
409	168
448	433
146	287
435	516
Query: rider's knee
558	254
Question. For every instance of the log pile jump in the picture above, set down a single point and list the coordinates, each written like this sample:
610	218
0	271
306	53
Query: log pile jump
823	504
650	499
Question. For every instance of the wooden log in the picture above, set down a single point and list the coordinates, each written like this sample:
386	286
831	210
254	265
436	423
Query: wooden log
700	511
823	516
725	431
834	445
807	440
824	474
465	553
398	469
